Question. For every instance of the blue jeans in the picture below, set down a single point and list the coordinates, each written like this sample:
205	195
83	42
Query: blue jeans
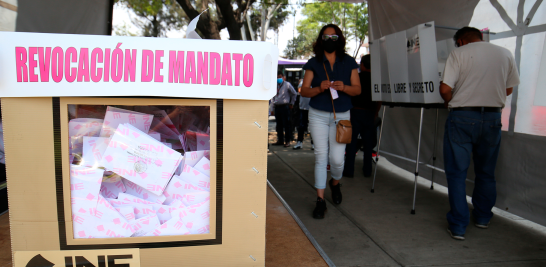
362	122
327	149
477	135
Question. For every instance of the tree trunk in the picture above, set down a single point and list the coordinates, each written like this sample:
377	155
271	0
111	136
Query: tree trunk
207	27
233	27
266	19
252	33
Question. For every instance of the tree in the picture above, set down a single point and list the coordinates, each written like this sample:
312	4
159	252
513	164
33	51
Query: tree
266	16
351	18
155	18
220	14
297	48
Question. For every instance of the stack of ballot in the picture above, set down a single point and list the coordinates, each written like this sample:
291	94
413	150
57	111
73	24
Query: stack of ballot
128	183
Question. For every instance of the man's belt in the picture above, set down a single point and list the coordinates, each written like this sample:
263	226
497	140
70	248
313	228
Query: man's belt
479	109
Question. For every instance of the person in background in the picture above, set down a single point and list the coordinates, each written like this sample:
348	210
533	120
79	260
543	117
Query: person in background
478	77
283	101
304	118
331	72
363	115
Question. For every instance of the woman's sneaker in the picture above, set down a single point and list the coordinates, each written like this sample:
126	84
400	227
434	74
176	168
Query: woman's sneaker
320	209
336	192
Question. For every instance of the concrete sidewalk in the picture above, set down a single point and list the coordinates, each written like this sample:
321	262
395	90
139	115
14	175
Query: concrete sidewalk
378	230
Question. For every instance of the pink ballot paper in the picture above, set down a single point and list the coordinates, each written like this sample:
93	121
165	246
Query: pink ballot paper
85	185
87	226
174	226
111	186
195	177
93	149
145	225
196	218
177	189
203	166
135	190
140	159
78	128
191	158
113	119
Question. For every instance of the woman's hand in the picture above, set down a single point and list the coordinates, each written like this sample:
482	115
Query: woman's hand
338	85
324	85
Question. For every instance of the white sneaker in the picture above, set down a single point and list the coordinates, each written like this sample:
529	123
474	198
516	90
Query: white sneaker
298	145
313	147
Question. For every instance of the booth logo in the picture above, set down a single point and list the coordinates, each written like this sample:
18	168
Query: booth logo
77	258
39	261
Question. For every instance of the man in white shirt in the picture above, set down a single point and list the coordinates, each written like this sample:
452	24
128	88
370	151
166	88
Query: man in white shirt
477	79
283	101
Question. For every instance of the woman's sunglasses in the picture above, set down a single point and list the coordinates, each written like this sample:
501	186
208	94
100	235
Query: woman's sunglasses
325	37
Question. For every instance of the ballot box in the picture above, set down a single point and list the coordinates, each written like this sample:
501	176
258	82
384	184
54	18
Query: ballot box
131	151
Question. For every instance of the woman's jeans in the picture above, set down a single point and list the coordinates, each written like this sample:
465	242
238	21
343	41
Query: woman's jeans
323	132
477	135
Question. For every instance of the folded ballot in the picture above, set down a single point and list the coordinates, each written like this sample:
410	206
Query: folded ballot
140	159
177	190
196	218
78	128
85	185
195	177
191	158
112	185
93	149
135	190
115	117
174	226
203	166
145	225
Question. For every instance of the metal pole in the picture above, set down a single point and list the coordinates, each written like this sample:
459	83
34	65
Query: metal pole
417	160
434	151
378	146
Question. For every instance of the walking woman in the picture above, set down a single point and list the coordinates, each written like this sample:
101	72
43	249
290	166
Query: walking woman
331	78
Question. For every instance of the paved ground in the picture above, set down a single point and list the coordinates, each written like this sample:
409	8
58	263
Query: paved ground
378	230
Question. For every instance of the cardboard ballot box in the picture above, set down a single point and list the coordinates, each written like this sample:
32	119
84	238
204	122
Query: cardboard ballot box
136	151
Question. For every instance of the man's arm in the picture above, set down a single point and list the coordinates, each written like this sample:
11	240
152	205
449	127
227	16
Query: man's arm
445	92
292	94
509	91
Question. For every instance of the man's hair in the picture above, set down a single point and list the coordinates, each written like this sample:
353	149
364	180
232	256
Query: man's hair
365	61
280	73
468	34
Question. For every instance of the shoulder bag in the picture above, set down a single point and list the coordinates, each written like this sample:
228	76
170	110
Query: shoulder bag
344	129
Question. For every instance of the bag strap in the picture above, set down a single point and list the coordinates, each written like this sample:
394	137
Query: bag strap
331	97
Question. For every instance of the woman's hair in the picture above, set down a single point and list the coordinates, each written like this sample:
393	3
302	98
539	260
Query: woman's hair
318	49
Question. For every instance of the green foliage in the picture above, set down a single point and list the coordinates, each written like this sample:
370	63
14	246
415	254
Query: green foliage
155	17
297	48
351	18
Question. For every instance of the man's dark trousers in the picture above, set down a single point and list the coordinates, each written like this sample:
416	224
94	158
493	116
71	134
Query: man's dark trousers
471	135
284	129
362	122
304	123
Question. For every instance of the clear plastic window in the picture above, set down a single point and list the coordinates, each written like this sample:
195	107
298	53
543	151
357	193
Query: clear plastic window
139	170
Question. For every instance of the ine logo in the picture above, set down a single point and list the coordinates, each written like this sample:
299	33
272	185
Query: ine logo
81	261
39	261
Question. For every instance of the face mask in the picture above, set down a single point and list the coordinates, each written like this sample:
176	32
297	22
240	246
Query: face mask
329	46
279	80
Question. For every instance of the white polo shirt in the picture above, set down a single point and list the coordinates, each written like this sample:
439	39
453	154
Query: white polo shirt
479	74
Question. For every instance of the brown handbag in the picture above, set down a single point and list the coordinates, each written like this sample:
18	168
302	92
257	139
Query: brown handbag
344	129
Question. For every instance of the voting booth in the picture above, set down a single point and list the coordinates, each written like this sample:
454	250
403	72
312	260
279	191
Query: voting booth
405	66
129	150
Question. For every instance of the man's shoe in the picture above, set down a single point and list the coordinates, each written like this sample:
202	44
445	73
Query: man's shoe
482	225
287	145
298	145
312	147
455	236
336	192
348	175
320	209
278	144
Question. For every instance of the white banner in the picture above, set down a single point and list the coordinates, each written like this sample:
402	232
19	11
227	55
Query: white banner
45	65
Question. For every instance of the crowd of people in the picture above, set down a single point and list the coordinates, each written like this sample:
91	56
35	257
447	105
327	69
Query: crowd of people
477	79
